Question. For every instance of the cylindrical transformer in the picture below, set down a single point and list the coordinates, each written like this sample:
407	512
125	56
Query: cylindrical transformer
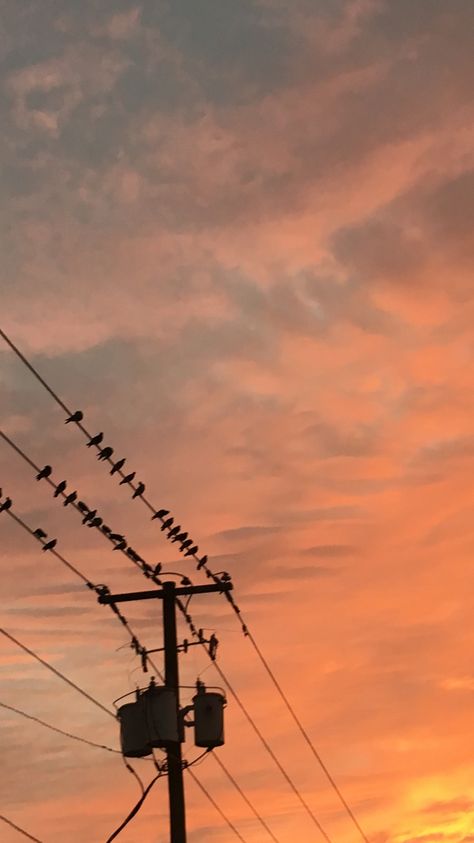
161	716
134	736
208	719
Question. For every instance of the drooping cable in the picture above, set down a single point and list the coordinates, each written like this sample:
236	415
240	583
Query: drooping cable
216	806
20	830
189	550
135	809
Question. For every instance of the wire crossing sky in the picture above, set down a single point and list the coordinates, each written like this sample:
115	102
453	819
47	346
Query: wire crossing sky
238	240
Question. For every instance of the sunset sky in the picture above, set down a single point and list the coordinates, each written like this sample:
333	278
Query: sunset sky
237	234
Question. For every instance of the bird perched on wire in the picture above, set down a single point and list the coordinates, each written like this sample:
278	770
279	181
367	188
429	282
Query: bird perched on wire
70	498
96	440
116	537
160	514
186	544
166	524
128	478
7	503
139	490
202	563
60	488
96	522
105	453
50	545
179	538
118	465
76	417
89	516
120	545
192	550
174	531
40	534
45	472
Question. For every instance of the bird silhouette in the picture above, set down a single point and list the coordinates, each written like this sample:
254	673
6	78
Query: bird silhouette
96	522
179	538
40	534
106	530
202	562
6	505
105	453
186	581
157	569
160	514
83	506
116	537
96	440
45	472
186	544
89	516
139	490
118	465
174	531
192	550
120	545
70	498
128	478
50	545
76	417
60	488
167	523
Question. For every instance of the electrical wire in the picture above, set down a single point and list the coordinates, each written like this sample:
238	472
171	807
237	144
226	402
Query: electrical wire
244	797
195	632
145	568
216	806
135	643
56	672
270	751
20	830
134	810
209	573
59	731
308	740
77	688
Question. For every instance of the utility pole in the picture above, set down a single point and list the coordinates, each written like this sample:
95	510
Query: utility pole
168	594
173	752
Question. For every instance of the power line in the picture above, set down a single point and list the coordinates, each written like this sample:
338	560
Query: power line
244	797
249	718
202	564
308	740
33	465
56	672
59	731
20	830
135	643
216	806
270	751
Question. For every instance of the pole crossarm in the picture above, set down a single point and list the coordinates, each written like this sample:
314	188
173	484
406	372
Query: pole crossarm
129	596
